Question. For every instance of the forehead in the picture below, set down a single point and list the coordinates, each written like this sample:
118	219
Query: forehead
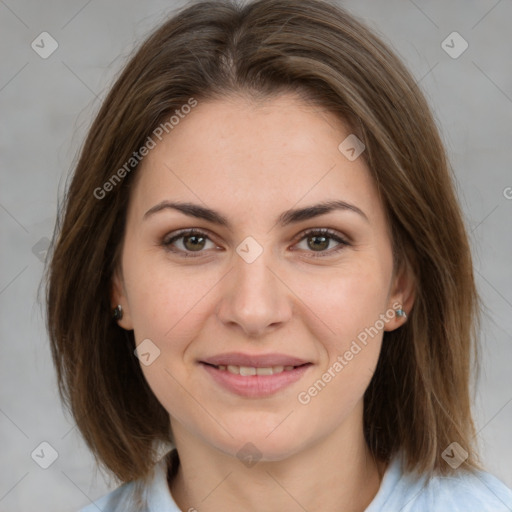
254	154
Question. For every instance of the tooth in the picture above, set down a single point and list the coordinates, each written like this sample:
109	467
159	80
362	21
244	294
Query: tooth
263	371
251	370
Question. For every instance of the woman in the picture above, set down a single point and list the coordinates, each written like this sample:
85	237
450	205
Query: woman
262	265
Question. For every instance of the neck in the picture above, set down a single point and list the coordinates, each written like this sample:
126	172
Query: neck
337	469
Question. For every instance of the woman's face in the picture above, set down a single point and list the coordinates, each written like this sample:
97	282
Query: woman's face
257	291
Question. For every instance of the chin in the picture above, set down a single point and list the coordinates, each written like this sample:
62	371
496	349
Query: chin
256	443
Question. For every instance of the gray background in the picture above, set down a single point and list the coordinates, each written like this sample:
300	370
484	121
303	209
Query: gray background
46	107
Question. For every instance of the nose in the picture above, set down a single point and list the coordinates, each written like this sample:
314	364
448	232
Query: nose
254	297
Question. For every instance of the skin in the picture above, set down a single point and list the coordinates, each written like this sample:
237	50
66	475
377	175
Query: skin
250	162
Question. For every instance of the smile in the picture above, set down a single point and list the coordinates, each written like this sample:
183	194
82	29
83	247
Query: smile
251	370
255	382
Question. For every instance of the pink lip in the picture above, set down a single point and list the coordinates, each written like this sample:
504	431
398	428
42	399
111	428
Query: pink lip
254	360
256	386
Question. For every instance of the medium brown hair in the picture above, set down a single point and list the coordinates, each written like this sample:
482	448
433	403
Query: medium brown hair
418	400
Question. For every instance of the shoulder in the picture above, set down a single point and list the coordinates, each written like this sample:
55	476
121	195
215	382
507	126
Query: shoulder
476	491
120	499
465	492
152	495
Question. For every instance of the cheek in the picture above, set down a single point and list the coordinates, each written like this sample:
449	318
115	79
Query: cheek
352	309
163	296
350	306
348	300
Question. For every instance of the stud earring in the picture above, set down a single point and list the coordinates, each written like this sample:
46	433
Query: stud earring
117	313
401	312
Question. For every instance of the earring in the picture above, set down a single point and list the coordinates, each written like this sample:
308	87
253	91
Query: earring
401	312
117	313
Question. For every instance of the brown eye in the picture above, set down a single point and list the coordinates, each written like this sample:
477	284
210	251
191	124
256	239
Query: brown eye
187	242
194	242
318	241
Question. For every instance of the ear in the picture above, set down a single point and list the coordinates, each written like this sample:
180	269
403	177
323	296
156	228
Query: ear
402	295
118	296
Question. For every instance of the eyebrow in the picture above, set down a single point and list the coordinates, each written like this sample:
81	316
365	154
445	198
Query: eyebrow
286	218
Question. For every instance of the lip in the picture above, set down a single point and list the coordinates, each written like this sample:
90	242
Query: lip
255	386
254	360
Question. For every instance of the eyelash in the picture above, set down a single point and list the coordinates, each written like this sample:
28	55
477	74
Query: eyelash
167	242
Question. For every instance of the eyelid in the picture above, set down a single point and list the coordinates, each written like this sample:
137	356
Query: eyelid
324	231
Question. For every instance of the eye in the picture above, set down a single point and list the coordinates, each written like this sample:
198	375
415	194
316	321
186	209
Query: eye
192	241
321	239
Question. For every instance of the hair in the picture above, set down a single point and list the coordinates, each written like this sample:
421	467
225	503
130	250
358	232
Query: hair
418	401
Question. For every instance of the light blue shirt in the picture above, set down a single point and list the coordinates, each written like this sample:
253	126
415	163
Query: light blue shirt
398	492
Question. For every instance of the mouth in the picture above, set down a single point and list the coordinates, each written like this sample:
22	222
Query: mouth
257	380
248	371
